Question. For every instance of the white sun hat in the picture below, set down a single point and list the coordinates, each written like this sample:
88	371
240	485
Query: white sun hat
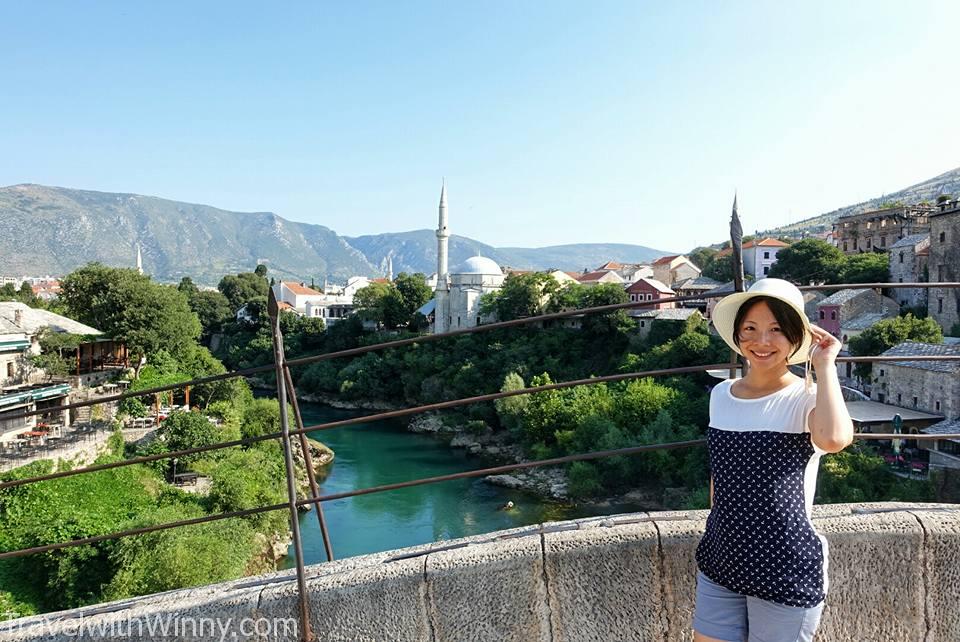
726	312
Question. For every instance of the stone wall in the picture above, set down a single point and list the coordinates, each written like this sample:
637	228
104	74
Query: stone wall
944	265
906	266
936	392
893	576
78	447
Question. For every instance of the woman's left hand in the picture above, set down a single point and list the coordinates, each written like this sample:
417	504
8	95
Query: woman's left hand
825	348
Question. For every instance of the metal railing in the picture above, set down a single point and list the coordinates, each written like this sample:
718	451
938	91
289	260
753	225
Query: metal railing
281	367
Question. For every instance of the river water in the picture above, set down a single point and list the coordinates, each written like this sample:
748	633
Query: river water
384	452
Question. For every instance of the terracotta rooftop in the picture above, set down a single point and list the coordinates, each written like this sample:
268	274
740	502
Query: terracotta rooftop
300	289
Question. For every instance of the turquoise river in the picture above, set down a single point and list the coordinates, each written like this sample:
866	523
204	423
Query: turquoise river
384	452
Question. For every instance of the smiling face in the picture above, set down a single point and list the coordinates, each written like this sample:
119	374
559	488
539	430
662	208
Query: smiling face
766	341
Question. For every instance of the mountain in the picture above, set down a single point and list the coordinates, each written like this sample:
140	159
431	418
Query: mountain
417	252
54	230
947	183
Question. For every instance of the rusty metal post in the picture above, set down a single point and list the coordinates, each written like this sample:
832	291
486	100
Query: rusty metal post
308	462
279	366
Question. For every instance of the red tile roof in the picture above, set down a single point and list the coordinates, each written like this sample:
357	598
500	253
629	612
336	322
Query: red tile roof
665	259
611	265
592	276
767	242
299	289
644	283
380	280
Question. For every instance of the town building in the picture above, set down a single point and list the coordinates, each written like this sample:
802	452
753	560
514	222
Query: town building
944	265
943	453
305	301
671	269
930	386
879	229
695	286
25	388
846	313
599	277
908	264
645	289
629	272
646	318
758	255
456	300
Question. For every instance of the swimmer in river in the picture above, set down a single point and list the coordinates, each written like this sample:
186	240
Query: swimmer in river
507	506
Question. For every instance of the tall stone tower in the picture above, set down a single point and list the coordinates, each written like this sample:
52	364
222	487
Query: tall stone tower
139	260
442	295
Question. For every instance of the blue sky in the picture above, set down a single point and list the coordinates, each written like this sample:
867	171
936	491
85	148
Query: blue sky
553	122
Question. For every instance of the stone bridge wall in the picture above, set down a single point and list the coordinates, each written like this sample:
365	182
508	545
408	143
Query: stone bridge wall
894	575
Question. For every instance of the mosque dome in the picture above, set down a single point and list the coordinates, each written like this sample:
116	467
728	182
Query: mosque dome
478	265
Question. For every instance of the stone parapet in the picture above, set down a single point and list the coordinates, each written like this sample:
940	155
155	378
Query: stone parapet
893	576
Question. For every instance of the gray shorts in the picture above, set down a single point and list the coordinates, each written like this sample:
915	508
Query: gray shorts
723	614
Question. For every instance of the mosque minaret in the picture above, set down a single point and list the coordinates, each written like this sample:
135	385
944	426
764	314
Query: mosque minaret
442	294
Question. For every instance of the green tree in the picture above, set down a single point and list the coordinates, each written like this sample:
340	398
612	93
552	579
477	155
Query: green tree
511	409
242	288
371	301
213	310
261	271
885	334
703	257
188	287
129	307
180	557
522	295
720	268
869	267
809	260
184	430
414	292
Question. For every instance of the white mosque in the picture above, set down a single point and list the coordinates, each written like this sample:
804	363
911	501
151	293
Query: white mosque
456	302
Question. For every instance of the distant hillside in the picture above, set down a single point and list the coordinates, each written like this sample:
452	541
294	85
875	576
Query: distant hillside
54	230
417	252
928	190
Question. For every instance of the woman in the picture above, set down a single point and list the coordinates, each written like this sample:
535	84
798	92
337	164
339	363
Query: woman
762	567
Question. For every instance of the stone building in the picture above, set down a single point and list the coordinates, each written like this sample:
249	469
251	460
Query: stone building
670	269
841	310
880	228
645	289
944	304
908	260
930	386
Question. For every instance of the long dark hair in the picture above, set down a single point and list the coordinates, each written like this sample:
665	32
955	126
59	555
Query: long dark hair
790	322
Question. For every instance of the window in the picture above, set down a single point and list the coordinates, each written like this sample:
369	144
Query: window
914	402
833	315
822	315
633	297
880	397
883	223
844	246
899	399
940	273
10	369
938	406
901	257
869	243
643	324
943	237
882	372
766	270
869	224
939	306
766	255
883	241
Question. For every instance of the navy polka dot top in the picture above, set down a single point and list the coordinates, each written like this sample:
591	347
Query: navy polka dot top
759	539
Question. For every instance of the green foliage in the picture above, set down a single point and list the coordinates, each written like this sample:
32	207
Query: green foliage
522	295
249	478
393	305
262	417
131	308
584	479
889	332
810	260
185	430
955	330
869	267
720	268
212	309
180	557
857	474
243	288
511	409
